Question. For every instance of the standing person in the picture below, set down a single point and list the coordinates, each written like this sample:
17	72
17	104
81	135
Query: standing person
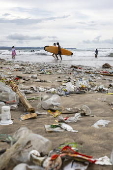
55	55
59	50
96	53
13	52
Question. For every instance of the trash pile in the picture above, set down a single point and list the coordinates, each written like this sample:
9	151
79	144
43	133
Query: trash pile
40	96
35	151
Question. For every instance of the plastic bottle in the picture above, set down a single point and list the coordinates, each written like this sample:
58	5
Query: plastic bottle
5	116
1	104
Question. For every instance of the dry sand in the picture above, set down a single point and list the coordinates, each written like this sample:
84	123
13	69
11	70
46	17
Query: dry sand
96	142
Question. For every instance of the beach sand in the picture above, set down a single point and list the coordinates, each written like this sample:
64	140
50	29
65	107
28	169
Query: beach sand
96	142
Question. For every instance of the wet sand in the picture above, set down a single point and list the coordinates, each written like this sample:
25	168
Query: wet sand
96	142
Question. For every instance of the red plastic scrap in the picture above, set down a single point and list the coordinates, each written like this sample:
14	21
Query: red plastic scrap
68	151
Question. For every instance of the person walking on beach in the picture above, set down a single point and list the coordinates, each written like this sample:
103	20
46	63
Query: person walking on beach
59	50
55	55
13	52
96	53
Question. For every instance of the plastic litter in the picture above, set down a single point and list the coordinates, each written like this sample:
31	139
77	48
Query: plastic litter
82	83
101	123
111	157
67	127
5	116
24	166
102	89
32	142
51	102
86	110
7	94
70	119
73	145
28	116
73	165
103	161
1	104
69	87
55	113
68	151
7	138
55	128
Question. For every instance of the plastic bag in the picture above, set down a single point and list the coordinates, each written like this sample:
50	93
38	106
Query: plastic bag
86	110
7	94
75	118
24	166
101	123
33	142
82	83
69	87
73	165
51	102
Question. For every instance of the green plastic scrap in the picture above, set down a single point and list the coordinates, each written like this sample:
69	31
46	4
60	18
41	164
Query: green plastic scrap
54	126
7	138
33	98
74	145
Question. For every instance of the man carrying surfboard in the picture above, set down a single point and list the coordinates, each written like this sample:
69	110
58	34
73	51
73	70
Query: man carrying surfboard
55	55
59	50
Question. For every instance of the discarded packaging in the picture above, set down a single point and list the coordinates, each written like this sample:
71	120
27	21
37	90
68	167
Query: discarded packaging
67	127
24	166
59	128
85	110
70	119
7	95
67	151
28	116
73	145
70	110
103	161
51	102
55	128
32	142
101	122
69	87
73	165
54	113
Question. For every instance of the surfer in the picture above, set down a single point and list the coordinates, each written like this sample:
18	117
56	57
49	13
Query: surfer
59	50
13	52
55	55
96	53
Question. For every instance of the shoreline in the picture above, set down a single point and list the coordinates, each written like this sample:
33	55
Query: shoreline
83	57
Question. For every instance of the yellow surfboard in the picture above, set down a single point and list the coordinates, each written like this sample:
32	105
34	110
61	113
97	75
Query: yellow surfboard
54	50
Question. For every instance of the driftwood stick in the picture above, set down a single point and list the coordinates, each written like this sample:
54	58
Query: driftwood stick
23	100
14	149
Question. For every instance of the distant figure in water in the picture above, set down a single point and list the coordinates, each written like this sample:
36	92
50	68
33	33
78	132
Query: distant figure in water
96	53
13	52
59	50
55	55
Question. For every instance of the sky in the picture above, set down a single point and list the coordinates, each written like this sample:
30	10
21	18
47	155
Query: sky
72	23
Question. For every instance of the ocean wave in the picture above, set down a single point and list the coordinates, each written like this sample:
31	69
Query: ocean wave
80	56
110	55
40	53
